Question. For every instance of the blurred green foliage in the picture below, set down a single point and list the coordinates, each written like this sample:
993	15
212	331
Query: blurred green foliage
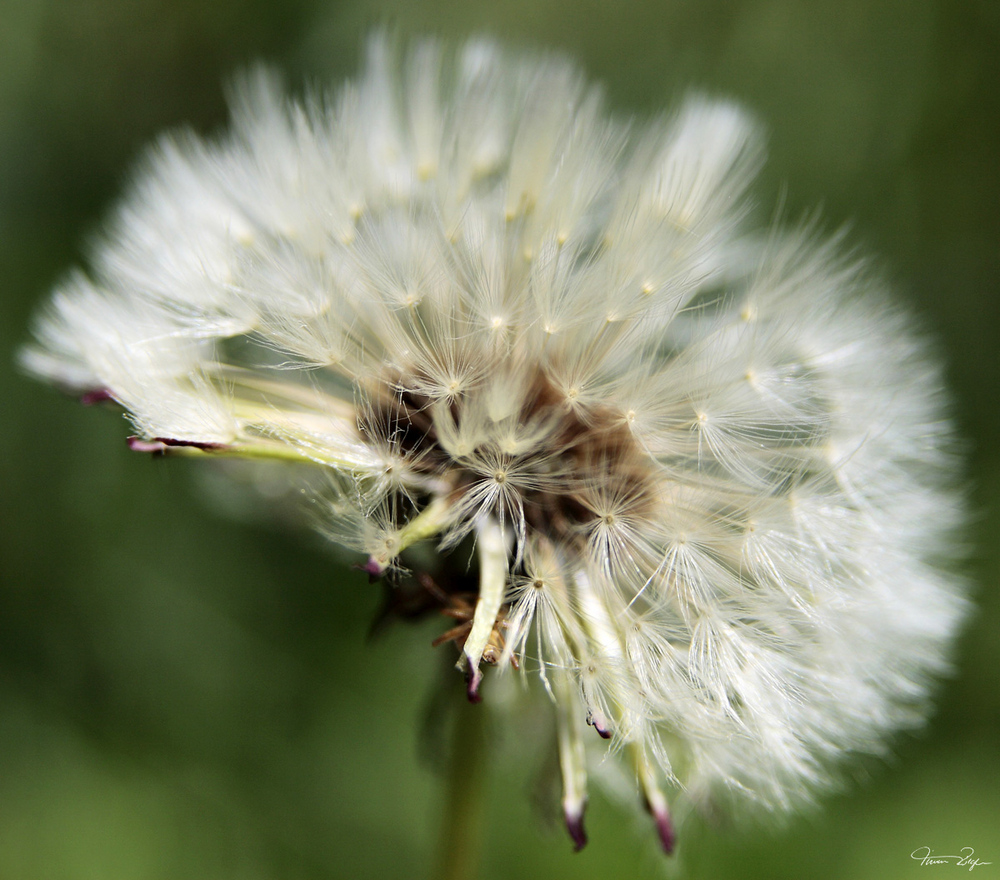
183	695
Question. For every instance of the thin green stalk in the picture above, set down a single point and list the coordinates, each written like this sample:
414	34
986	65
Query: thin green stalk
462	828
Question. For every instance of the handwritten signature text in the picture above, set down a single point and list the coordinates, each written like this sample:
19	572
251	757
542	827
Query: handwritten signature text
965	859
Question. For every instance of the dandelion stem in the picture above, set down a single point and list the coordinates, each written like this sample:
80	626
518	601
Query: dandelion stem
461	831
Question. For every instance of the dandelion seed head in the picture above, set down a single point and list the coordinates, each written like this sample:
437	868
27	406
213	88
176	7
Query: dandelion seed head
706	473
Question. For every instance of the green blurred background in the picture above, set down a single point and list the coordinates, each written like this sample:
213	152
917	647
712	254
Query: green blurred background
184	694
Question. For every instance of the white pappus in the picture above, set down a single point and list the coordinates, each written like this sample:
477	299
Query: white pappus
705	471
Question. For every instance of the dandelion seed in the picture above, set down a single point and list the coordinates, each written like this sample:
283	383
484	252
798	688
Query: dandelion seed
706	473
